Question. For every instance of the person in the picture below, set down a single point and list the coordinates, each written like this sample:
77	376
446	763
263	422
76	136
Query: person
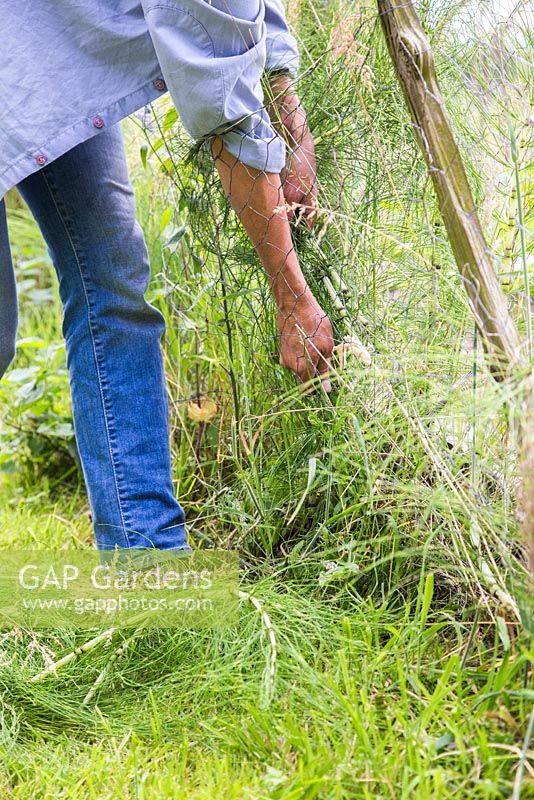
69	72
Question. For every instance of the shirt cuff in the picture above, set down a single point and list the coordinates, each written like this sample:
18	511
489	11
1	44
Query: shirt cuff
281	45
266	155
282	54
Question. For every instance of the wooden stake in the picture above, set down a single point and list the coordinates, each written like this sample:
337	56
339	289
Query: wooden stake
412	56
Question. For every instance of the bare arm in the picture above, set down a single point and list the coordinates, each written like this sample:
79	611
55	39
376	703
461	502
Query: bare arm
306	337
299	178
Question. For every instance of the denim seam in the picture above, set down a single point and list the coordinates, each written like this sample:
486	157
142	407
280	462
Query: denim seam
138	533
102	383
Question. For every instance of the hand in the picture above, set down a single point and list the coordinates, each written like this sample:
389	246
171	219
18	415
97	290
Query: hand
299	178
306	338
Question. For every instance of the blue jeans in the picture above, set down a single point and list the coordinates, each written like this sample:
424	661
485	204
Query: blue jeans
8	297
84	205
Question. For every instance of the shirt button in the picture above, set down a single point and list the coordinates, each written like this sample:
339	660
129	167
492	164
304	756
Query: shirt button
98	122
160	85
40	159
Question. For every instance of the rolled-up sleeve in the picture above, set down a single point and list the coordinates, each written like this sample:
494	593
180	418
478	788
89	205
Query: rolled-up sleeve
212	55
281	46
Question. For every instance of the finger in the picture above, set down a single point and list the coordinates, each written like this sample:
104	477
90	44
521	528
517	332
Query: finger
308	373
294	364
305	370
324	362
300	215
311	213
308	364
311	383
324	370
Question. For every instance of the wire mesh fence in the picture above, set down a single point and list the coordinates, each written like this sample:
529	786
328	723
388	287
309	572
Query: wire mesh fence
413	420
411	458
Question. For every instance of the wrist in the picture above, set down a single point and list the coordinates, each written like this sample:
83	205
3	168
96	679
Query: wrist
287	294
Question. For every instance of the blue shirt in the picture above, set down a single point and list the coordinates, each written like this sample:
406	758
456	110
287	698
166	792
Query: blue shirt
69	68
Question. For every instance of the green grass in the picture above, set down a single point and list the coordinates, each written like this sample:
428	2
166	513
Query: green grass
378	528
372	700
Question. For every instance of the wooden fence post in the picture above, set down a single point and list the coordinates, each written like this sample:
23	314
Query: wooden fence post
413	59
